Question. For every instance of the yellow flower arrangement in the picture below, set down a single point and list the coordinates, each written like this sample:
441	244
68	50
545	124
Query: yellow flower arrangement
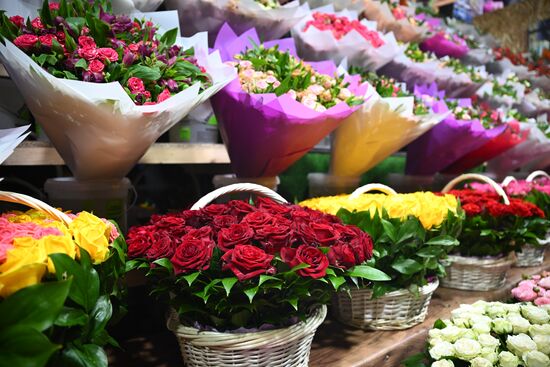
429	208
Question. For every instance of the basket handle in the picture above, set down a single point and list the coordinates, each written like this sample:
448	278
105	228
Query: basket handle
238	187
475	176
31	202
536	174
507	181
371	187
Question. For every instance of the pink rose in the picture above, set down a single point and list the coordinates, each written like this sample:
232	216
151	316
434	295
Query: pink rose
542	301
88	53
17	20
133	47
46	40
164	95
26	41
54	6
135	85
545	283
37	23
96	66
524	294
108	53
86	42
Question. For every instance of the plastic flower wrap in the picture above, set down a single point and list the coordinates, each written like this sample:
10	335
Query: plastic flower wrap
271	18
503	90
10	139
392	17
535	102
535	289
326	35
445	44
276	111
451	139
119	92
486	334
356	5
389	120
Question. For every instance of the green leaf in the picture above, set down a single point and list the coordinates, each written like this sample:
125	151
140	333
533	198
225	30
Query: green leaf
228	283
71	316
169	37
146	73
407	266
45	14
100	315
76	24
439	324
293	302
87	355
368	272
264	278
251	292
165	263
443	241
336	281
416	360
81	64
428	252
34	307
23	346
298	267
190	278
389	230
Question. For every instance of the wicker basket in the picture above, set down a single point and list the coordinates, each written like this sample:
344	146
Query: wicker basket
289	347
31	202
530	256
476	274
393	311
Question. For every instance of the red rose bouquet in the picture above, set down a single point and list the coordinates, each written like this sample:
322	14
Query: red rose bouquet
239	265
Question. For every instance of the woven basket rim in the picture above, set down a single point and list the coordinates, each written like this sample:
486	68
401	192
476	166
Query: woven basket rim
474	260
425	289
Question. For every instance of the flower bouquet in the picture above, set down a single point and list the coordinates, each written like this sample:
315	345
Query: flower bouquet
59	285
389	120
502	91
271	18
246	282
491	231
445	44
279	107
329	35
487	334
535	289
390	16
122	83
535	102
412	233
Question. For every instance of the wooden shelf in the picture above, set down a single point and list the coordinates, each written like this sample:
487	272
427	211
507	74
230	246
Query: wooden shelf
35	153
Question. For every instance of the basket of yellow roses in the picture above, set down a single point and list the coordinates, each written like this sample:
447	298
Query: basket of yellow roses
59	285
412	233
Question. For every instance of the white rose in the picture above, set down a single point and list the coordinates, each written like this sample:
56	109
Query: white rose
507	359
481	305
535	314
519	324
462	322
480	362
451	333
512	307
543	343
481	328
496	310
434	333
467	349
535	358
469	334
519	344
486	340
434	341
443	363
502	326
489	354
443	349
539	330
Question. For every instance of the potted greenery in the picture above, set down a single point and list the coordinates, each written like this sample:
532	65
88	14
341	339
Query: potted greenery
412	234
248	284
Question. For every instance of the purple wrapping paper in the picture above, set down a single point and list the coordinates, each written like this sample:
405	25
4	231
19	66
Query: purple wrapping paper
441	46
446	142
264	134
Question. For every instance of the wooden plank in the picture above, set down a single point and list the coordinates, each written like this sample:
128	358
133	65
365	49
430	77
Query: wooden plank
35	153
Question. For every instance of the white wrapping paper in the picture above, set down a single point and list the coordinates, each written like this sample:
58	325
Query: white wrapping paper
96	127
486	93
317	45
11	138
357	5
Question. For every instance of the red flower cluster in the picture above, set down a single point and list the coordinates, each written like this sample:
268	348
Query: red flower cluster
476	202
518	59
249	238
340	26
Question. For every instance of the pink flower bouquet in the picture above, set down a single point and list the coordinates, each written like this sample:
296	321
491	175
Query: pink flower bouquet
536	289
444	44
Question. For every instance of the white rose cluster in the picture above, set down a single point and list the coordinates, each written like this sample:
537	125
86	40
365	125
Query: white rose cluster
488	334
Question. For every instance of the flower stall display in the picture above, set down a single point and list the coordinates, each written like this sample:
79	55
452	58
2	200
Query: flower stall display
534	289
486	334
390	119
356	5
279	107
329	35
445	44
123	81
391	16
271	18
249	282
503	91
59	285
412	233
495	226
10	139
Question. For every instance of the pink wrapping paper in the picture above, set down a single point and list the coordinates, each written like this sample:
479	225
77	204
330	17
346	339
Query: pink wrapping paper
442	46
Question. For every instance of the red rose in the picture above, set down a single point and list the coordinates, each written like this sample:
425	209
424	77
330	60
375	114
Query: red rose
191	255
163	246
164	95
37	23
325	234
304	254
303	234
274	237
139	240
203	233
362	246
96	66
195	218
497	209
257	220
234	235
272	207
472	209
240	208
87	53
247	261
25	41
54	6
300	215
215	209
17	20
224	221
341	256
46	40
136	85
86	42
170	223
106	53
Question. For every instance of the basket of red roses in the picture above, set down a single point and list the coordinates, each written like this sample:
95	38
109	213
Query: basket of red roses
491	232
248	283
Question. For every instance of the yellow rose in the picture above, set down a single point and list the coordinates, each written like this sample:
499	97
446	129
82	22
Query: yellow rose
26	251
58	244
27	275
92	234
